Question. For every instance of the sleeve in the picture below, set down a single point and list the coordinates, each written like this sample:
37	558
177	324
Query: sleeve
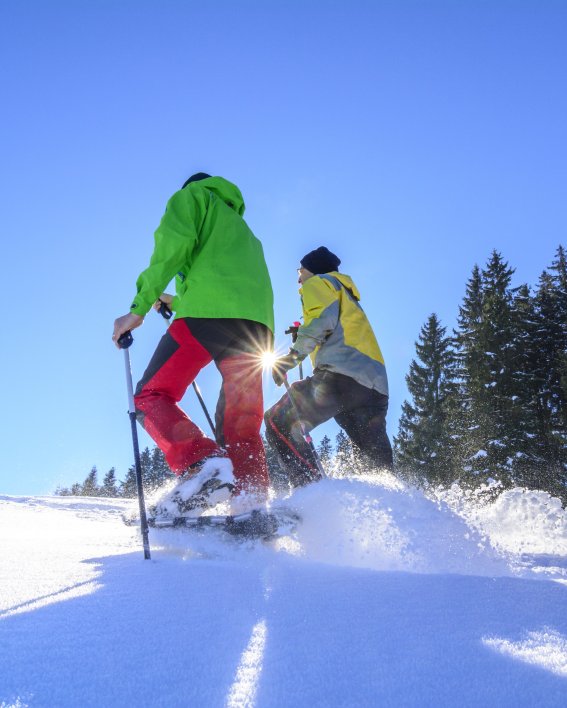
320	315
175	240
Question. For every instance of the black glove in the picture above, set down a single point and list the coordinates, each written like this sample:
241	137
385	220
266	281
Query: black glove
292	329
282	366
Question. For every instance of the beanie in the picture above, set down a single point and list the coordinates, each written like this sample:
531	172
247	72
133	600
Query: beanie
321	260
196	177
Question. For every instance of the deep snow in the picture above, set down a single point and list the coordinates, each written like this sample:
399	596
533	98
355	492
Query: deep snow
384	598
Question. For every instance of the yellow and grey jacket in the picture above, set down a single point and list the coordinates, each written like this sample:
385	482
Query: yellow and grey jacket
336	332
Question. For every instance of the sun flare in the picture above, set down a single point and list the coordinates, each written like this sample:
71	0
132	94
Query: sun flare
268	360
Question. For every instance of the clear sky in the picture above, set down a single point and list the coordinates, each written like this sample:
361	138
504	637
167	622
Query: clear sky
411	138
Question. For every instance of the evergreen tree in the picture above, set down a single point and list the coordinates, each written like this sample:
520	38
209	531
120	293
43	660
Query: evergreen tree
129	488
485	341
160	470
424	445
525	449
109	488
325	450
343	461
76	489
550	377
278	478
559	280
90	487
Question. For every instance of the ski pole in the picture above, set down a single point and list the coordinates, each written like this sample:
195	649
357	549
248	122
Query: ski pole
124	342
307	437
293	331
167	314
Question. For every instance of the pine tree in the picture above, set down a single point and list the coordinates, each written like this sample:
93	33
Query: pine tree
76	489
278	478
343	462
90	487
160	470
485	341
559	280
129	487
325	450
424	445
550	377
109	488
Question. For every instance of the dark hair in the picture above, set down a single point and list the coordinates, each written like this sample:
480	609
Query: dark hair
196	178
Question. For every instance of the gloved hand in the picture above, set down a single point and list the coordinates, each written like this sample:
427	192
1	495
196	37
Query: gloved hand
293	329
282	366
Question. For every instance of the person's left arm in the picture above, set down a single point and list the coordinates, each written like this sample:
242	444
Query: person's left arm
320	315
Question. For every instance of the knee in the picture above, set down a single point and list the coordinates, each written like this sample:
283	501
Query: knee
244	426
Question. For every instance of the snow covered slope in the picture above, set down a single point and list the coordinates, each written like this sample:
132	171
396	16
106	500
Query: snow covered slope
383	598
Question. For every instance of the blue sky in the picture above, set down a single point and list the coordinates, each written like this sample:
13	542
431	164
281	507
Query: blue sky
411	138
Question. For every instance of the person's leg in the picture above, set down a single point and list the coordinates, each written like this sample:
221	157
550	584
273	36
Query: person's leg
317	401
238	419
366	427
177	360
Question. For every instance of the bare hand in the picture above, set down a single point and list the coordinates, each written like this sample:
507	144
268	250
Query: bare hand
124	324
164	298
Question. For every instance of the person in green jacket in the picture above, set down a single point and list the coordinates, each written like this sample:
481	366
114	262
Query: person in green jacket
223	313
349	381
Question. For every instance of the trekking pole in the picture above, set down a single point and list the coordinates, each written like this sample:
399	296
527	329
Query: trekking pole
293	331
307	437
166	313
124	342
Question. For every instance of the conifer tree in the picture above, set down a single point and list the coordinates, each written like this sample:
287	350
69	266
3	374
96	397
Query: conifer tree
90	487
424	447
109	488
325	450
160	470
128	487
559	279
278	479
550	377
487	371
343	461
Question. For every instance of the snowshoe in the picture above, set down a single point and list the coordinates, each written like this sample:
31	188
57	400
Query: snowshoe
255	524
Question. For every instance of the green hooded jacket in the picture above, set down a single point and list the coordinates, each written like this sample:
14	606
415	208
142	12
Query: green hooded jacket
217	262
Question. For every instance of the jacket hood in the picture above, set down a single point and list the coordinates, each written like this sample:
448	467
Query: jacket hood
225	190
348	283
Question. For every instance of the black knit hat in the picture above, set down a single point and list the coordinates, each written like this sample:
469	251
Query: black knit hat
321	260
196	177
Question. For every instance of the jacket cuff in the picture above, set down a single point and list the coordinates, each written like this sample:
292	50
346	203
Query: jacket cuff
139	307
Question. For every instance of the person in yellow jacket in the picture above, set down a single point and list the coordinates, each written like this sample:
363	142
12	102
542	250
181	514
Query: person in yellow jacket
349	381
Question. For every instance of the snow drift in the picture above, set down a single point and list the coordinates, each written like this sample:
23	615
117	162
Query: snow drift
385	596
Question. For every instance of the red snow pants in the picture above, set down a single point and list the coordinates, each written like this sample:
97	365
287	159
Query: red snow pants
188	346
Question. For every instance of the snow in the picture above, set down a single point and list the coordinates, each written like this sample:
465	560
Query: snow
384	597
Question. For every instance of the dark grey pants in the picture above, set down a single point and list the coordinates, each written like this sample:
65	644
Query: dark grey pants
360	411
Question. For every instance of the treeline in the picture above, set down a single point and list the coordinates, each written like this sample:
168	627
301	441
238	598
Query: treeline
155	471
489	401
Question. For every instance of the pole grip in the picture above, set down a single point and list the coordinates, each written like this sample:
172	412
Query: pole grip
165	311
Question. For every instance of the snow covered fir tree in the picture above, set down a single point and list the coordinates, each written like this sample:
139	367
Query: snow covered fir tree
490	402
